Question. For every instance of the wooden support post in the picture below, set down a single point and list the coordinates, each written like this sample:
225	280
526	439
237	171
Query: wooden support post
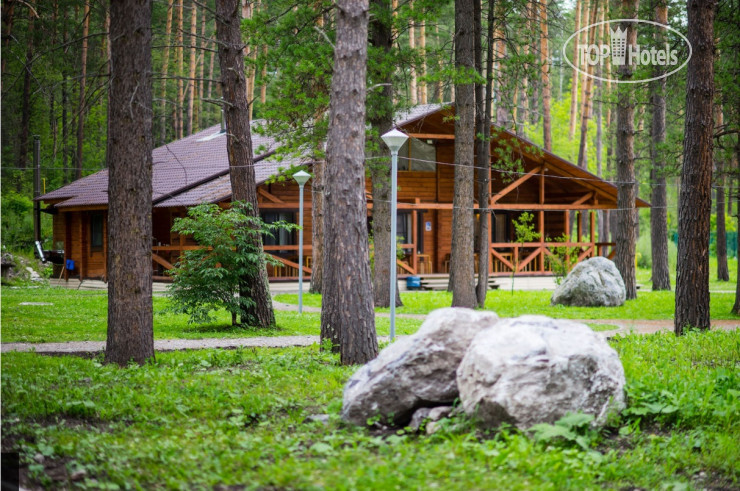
579	226
566	216
415	238
592	217
541	266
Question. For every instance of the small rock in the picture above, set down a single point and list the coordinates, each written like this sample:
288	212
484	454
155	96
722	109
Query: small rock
440	412
416	371
36	303
38	458
420	415
317	418
78	475
595	282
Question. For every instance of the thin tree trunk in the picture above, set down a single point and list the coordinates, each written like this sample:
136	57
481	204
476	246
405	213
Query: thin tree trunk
83	80
599	112
179	123
736	306
381	120
239	144
8	11
165	69
723	272
463	223
26	102
483	121
250	53
544	53
586	99
659	212
347	302
626	186
130	317
201	69
695	199
412	69
423	54
192	66
576	75
317	228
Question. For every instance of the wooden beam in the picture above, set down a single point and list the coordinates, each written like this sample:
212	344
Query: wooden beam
269	196
291	264
432	136
160	260
515	184
583	198
557	207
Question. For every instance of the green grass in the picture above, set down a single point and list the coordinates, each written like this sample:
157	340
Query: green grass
82	316
647	305
201	419
643	276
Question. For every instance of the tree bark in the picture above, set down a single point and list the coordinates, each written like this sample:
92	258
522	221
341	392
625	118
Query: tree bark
484	101
736	306
239	145
83	80
317	228
413	93
192	66
130	318
659	212
201	69
723	272
423	90
626	232
463	222
179	124
26	102
586	102
165	69
695	198
576	75
347	312
381	120
545	60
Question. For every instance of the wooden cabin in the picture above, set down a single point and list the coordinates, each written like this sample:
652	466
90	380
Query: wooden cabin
194	170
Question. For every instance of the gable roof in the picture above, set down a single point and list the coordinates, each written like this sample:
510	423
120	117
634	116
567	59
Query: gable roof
184	172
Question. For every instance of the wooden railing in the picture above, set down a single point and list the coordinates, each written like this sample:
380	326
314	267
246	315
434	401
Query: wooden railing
530	257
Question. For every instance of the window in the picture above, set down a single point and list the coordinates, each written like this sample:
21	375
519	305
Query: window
96	232
281	236
417	155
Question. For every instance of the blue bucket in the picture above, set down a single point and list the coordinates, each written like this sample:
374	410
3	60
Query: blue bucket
70	264
413	282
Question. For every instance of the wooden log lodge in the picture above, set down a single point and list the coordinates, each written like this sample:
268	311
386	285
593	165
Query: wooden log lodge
194	170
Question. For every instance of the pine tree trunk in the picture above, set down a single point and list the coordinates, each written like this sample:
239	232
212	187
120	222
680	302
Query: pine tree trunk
626	232
201	68
165	69
26	102
723	272
239	144
695	199
83	80
412	69
736	306
381	120
545	60
192	66
586	105
463	222
659	212
317	228
483	123
179	124
348	301
576	75
423	95
130	317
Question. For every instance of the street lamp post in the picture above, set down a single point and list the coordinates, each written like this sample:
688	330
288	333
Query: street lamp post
301	177
395	140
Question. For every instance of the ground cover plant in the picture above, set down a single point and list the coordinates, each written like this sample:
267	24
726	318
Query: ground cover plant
82	316
647	305
200	419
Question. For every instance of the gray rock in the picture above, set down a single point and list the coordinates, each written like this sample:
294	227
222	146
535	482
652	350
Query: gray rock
595	282
317	418
533	369
428	414
416	371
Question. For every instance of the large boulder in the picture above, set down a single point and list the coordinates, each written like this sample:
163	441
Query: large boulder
595	282
415	371
533	369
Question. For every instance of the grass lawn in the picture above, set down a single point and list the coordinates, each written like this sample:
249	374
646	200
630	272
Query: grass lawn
647	305
82	316
201	419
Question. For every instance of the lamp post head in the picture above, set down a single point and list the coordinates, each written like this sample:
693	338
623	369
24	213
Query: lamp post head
394	139
301	177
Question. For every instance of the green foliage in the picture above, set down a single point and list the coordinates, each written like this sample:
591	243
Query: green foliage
243	414
563	258
524	228
209	278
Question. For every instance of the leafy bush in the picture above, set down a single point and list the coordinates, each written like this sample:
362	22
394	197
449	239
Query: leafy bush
208	279
563	259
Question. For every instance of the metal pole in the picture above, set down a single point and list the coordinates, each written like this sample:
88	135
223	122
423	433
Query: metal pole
300	253
394	169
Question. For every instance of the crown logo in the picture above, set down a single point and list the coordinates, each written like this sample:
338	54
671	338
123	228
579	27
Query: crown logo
618	46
